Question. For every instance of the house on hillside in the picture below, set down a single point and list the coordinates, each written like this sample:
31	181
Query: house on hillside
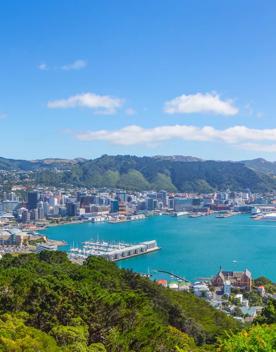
238	279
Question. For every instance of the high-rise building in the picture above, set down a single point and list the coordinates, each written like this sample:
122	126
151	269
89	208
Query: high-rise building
26	216
34	214
171	203
121	196
32	199
46	208
114	206
183	204
151	204
163	197
72	208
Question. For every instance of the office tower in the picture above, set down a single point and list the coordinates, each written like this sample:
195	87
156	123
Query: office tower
32	199
114	206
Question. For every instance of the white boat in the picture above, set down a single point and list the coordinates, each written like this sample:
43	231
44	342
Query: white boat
269	216
180	213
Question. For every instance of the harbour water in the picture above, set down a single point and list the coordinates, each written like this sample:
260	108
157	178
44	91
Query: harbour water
191	248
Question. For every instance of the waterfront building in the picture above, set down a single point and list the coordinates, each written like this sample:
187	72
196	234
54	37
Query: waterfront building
63	211
45	247
113	252
72	209
12	237
240	279
114	206
86	201
151	203
122	209
182	204
171	203
163	197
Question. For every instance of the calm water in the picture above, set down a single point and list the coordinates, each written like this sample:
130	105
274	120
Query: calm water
192	248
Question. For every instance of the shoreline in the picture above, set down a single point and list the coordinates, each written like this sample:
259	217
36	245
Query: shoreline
181	238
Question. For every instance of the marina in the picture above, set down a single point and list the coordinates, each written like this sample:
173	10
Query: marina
112	251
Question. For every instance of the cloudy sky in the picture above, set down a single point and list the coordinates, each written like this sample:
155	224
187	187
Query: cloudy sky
86	78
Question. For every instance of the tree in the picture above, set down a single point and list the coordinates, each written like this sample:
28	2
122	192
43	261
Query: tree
15	336
268	314
256	339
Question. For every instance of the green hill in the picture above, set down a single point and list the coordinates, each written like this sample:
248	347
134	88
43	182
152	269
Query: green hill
142	173
98	303
48	304
261	165
183	176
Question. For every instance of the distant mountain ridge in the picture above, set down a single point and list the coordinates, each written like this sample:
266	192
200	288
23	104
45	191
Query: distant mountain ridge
175	174
177	158
261	165
17	164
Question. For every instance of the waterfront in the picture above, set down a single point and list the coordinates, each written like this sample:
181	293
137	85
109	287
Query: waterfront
190	247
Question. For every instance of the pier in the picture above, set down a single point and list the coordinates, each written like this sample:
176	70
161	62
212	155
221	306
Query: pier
174	275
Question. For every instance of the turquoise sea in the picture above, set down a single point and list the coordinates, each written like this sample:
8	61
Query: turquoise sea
190	247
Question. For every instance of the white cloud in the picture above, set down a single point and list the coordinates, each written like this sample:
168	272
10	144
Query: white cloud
76	65
3	115
210	103
103	104
42	67
133	135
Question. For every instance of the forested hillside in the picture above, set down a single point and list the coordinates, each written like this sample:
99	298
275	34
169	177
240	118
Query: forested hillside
185	176
144	173
97	303
49	304
262	165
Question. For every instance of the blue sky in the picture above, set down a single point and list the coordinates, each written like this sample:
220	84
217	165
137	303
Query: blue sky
145	77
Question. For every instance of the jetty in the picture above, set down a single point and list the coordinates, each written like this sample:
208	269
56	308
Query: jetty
173	275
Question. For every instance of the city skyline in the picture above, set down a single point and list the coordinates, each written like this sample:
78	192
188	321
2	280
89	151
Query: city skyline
86	79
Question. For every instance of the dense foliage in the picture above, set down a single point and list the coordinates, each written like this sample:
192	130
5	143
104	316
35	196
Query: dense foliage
48	303
257	339
262	165
135	173
98	306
